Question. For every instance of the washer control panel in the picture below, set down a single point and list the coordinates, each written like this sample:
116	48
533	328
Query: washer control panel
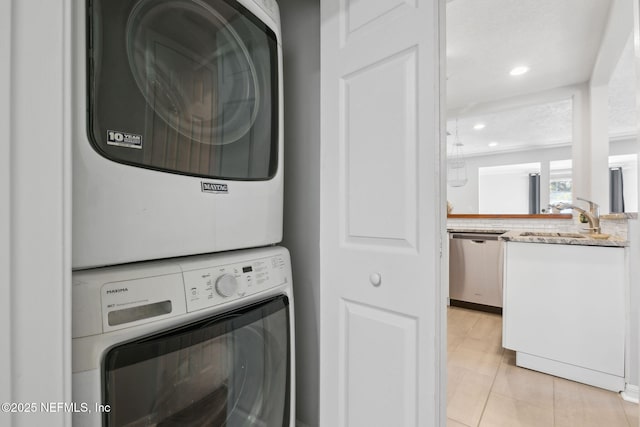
113	298
138	301
211	286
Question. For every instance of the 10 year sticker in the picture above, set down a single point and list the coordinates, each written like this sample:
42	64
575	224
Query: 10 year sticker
124	139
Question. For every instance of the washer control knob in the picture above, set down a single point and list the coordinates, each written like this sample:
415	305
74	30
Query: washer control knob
226	285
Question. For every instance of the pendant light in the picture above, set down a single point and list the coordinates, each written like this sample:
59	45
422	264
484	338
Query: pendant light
456	164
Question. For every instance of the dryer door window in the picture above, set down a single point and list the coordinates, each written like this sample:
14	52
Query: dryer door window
232	370
183	86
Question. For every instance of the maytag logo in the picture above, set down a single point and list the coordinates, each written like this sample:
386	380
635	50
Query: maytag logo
117	291
210	187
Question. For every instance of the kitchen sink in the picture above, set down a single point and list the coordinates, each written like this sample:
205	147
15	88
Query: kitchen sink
552	234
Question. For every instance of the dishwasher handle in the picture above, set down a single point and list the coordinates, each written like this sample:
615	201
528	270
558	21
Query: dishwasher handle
475	237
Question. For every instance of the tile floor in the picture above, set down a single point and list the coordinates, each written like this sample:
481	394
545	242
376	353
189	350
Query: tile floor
485	387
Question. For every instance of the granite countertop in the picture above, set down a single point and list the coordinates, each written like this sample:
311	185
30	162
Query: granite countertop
561	238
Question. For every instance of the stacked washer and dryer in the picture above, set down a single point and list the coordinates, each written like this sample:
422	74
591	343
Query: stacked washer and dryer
182	303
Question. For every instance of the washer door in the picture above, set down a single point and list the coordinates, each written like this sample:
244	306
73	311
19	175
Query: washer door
185	86
227	371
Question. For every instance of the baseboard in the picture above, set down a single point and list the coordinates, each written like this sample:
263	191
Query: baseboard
631	393
475	306
571	372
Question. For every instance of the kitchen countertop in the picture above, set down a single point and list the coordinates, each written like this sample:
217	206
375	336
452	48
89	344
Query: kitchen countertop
555	238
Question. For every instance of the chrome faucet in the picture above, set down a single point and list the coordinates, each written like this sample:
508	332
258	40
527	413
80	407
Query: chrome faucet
593	215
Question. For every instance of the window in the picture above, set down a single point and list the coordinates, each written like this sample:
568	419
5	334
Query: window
560	183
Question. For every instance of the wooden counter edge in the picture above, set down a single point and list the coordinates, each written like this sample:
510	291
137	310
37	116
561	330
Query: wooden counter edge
509	216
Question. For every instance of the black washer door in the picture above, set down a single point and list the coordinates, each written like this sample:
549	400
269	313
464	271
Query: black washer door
231	370
184	86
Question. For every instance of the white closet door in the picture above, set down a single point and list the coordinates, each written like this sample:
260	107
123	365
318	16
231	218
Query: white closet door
381	215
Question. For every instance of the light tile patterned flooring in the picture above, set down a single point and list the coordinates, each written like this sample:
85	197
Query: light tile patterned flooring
485	388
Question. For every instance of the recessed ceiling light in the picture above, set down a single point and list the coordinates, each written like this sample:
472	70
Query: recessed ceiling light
493	144
479	126
517	71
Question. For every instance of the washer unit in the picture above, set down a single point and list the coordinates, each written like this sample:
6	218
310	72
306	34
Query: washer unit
177	138
194	341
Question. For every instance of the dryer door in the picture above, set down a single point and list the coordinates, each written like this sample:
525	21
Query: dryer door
233	370
183	86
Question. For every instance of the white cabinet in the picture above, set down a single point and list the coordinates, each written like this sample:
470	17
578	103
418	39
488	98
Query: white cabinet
564	310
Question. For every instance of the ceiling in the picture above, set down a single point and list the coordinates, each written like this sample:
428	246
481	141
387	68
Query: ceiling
558	40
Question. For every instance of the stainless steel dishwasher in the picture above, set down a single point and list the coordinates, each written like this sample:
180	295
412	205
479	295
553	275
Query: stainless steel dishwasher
475	271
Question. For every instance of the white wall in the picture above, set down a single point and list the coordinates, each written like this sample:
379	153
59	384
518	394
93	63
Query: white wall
597	163
35	215
505	189
301	43
634	227
503	194
5	211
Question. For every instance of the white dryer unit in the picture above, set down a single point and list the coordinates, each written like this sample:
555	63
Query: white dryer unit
206	340
177	138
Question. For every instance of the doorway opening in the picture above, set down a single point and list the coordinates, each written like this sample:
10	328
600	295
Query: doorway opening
533	114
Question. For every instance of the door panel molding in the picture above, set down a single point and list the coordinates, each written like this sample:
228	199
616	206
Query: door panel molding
357	15
378	153
361	352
